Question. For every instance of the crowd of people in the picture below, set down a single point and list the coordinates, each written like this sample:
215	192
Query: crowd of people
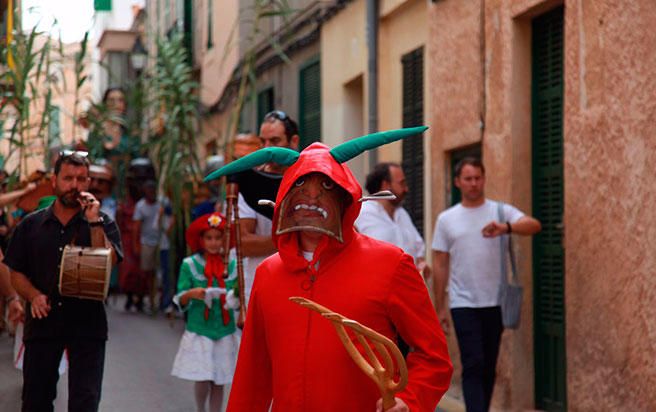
305	230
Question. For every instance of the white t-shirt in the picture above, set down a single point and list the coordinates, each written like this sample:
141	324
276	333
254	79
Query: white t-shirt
263	226
147	213
154	228
375	222
475	261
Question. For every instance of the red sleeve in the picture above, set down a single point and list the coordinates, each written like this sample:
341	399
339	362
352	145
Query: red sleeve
413	315
252	385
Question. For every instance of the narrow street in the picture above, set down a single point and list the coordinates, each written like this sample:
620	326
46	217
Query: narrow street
138	362
140	353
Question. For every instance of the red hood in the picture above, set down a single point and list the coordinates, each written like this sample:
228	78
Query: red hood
317	158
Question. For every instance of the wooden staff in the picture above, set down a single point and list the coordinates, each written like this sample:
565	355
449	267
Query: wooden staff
383	376
232	214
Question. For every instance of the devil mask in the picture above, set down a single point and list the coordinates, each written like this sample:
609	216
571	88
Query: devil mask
318	192
314	203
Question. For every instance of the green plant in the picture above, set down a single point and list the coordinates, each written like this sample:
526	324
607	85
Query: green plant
27	95
174	102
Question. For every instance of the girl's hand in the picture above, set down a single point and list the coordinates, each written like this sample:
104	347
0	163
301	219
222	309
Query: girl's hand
196	293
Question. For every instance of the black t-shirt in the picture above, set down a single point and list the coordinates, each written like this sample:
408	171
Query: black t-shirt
255	185
35	250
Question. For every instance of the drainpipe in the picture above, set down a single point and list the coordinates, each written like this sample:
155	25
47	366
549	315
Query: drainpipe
372	73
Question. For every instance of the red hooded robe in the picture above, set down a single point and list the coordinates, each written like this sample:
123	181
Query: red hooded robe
293	356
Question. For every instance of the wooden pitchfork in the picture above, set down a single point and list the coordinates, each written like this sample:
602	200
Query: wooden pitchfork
392	358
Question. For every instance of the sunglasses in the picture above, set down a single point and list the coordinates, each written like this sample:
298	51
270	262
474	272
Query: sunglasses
277	114
67	153
291	128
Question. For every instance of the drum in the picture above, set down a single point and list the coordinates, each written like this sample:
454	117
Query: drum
85	272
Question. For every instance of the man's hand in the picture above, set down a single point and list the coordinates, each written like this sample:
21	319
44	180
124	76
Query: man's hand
400	406
424	269
445	320
40	306
16	311
494	229
90	205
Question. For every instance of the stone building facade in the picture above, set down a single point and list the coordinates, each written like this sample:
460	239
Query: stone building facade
558	97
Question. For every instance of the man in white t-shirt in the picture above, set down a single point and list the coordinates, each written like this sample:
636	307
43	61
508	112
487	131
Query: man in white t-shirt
151	226
387	220
467	258
277	130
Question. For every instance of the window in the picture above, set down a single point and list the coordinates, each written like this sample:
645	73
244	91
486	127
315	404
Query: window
413	147
309	101
210	29
264	105
54	130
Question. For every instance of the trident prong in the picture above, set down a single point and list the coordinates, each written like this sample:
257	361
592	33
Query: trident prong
383	376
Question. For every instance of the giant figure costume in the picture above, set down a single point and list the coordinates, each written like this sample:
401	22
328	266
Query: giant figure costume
291	356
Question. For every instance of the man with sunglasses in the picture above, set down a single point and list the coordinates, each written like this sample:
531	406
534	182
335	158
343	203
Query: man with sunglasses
54	323
277	130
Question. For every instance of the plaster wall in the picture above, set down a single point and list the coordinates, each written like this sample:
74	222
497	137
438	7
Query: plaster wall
343	61
399	33
219	61
285	80
480	94
610	152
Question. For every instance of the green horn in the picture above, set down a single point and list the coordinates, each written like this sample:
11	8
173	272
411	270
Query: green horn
280	155
348	150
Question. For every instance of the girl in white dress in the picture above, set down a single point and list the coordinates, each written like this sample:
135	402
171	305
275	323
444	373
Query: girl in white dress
209	345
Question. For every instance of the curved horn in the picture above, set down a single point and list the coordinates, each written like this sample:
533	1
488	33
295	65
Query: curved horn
348	150
280	155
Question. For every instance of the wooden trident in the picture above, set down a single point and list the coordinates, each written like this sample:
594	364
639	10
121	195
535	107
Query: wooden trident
383	376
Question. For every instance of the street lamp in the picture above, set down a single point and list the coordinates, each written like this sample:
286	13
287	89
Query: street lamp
138	55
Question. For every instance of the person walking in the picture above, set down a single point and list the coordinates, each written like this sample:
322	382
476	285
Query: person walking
54	322
291	359
262	183
146	241
387	219
466	258
209	345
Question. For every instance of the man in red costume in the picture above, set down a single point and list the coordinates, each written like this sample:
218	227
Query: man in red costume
291	357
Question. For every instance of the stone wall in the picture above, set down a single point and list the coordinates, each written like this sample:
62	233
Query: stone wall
610	153
480	74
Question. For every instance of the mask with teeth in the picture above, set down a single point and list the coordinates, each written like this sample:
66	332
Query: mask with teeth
314	203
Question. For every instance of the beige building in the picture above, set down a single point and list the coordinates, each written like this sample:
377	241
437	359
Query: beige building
559	99
58	128
402	40
286	66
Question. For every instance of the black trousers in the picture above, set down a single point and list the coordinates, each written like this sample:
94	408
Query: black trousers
86	360
479	335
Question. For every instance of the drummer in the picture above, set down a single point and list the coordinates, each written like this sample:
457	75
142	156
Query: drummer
52	322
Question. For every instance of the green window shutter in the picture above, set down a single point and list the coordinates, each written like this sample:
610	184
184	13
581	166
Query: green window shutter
310	104
210	29
188	30
548	254
102	5
265	104
413	147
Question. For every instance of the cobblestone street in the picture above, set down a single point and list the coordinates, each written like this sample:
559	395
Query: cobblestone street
139	356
